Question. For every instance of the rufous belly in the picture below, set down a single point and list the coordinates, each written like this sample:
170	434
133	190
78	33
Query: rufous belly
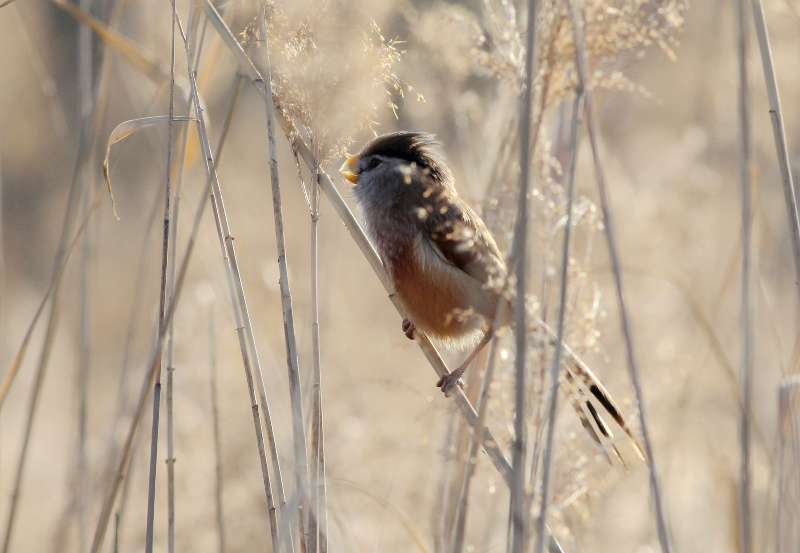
441	300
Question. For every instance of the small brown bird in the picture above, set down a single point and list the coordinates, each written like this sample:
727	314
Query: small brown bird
446	267
445	264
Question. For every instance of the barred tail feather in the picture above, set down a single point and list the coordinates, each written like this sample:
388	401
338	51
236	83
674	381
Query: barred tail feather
592	402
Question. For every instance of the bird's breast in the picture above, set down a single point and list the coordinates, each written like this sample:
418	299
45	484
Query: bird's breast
440	299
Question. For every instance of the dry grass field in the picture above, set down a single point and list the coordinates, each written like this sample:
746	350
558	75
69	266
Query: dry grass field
97	303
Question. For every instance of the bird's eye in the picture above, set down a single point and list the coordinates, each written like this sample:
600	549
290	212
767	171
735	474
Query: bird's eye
373	163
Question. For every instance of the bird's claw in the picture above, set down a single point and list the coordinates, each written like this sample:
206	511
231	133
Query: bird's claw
408	329
450	382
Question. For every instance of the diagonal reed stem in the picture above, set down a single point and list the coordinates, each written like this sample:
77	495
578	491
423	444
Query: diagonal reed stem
627	331
246	337
779	133
244	326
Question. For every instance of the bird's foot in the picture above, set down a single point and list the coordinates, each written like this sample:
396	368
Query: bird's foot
408	329
450	382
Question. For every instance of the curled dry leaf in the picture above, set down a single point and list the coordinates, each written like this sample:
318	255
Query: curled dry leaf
123	131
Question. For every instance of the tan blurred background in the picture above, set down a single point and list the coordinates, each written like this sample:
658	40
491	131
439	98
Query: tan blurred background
671	154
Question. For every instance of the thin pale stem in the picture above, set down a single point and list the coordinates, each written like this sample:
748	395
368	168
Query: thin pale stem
746	304
219	490
84	357
318	521
170	285
298	431
122	399
163	298
627	331
519	518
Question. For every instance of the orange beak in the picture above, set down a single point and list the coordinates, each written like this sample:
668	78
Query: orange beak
349	169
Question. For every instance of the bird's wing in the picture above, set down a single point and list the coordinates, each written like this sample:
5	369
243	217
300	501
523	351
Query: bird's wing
459	236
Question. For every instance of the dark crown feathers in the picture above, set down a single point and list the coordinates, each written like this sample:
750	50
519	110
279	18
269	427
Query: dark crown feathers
415	147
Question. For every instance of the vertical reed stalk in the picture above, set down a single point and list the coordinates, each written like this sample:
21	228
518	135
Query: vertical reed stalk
84	356
627	331
84	361
519	517
172	244
218	479
318	516
298	431
552	407
122	393
746	303
163	299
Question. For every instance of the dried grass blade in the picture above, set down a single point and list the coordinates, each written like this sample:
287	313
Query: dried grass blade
124	46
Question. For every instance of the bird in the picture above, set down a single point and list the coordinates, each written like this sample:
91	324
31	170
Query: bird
444	263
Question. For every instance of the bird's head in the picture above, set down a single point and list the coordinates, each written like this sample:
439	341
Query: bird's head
385	162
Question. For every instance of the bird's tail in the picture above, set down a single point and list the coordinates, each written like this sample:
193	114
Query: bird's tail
592	403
